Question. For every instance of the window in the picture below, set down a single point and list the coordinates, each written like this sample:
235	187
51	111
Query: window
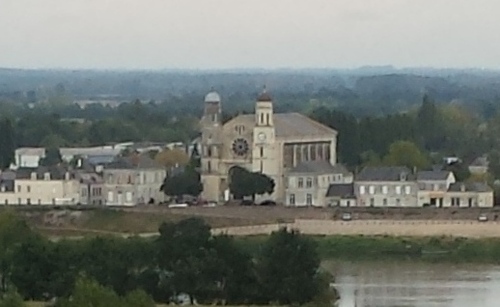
19	189
300	183
398	202
362	190
129	181
261	118
267	119
261	151
29	189
209	151
384	189
471	201
384	201
39	201
209	166
372	202
371	189
348	203
398	190
309	199
455	201
292	199
309	183
408	190
28	201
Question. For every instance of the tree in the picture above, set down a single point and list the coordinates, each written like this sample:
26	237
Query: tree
185	183
11	299
53	141
52	157
13	230
405	153
288	268
88	292
7	144
429	124
243	183
172	157
460	170
183	251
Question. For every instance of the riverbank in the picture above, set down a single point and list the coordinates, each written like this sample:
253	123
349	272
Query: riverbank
434	249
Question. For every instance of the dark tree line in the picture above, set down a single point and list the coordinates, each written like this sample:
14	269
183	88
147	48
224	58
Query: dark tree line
185	259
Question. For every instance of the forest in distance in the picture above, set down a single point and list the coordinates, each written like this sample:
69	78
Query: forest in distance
381	113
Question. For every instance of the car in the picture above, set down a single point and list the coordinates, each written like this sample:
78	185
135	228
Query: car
346	216
482	218
268	203
247	202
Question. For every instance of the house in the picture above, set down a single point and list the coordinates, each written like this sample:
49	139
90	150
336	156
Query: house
92	188
386	187
479	166
341	195
133	180
309	181
39	186
433	186
28	156
473	194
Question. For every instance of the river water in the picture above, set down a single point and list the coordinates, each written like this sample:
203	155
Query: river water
415	284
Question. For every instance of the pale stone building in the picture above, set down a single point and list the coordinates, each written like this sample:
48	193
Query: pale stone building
133	181
39	186
309	181
262	142
433	186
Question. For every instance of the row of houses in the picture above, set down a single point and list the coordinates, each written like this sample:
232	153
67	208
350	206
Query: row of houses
124	181
319	184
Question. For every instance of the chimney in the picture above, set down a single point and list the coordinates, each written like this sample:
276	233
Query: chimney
462	187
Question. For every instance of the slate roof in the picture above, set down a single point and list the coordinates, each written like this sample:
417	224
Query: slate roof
386	173
432	175
469	187
7	175
134	161
56	172
289	125
319	167
341	190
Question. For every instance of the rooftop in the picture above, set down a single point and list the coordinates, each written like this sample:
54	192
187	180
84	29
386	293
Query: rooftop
341	190
134	161
385	173
469	187
432	175
289	125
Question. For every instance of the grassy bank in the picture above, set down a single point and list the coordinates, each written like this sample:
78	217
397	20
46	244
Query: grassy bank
445	249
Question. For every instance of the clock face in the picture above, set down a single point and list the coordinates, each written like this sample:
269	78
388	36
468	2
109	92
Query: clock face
240	147
261	136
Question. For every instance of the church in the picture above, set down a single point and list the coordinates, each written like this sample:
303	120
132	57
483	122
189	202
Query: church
274	144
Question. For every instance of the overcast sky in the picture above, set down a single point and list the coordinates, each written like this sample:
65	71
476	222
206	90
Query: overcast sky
202	34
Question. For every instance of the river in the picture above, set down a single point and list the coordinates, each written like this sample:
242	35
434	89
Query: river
415	284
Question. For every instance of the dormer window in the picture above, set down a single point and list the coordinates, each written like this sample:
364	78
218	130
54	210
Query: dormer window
403	177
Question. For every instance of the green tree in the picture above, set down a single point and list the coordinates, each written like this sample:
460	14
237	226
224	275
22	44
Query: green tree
185	183
52	157
88	292
7	143
13	231
243	183
11	299
288	269
183	251
138	298
460	170
405	153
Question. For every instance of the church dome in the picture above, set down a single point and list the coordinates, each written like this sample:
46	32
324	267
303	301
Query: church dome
264	96
213	96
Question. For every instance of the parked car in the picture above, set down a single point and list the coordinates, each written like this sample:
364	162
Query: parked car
346	216
268	203
482	218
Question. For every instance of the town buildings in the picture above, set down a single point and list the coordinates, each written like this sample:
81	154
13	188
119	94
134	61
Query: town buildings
266	142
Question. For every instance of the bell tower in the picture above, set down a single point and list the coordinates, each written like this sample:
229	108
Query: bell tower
211	146
264	151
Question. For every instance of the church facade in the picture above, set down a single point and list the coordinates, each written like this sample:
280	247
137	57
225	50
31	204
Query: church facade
273	144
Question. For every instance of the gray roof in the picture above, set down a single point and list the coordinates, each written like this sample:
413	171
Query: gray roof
341	190
480	161
319	167
133	162
432	175
469	187
385	173
87	177
56	172
7	175
290	125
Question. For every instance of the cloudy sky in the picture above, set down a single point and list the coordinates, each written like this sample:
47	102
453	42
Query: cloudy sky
157	34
